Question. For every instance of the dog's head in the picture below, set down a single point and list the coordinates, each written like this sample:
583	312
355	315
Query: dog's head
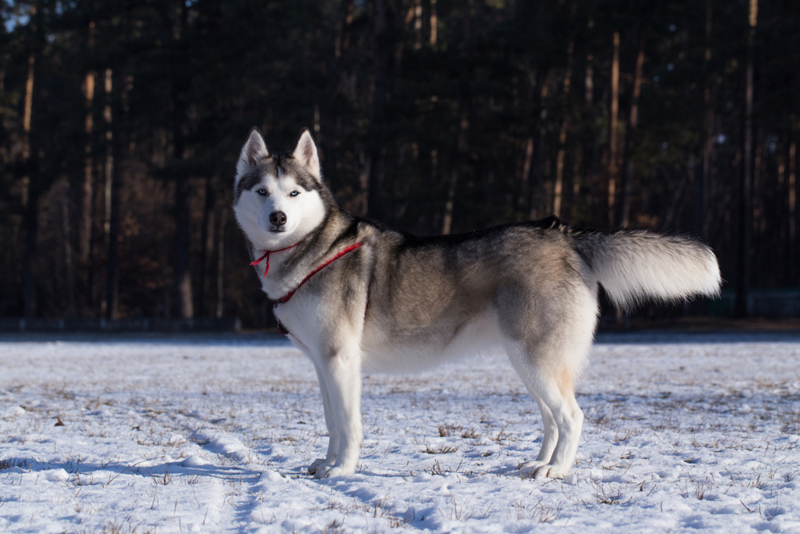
278	198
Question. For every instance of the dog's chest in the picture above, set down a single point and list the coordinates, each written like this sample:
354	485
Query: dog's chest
299	319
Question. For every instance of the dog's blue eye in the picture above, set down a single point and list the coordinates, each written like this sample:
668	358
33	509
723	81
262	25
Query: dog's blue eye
294	193
262	192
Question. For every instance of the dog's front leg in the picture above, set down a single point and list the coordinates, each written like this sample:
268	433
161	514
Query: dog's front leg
333	441
341	373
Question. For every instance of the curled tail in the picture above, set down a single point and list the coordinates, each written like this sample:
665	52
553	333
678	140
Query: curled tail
637	265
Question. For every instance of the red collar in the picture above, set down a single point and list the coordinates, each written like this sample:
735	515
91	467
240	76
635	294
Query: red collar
266	256
284	299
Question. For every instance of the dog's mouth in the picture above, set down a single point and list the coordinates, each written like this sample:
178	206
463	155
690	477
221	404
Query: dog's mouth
277	229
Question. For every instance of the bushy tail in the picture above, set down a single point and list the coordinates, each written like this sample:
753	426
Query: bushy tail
639	265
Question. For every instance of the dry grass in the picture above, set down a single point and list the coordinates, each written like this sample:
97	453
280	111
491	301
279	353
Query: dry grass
446	431
537	512
443	448
470	433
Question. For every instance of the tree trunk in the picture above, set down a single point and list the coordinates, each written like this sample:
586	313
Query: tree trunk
434	25
746	190
460	154
758	189
413	22
342	42
538	150
525	178
179	90
702	189
30	195
207	240
108	304
30	154
68	260
630	141
794	247
381	53
183	276
221	261
120	133
588	146
87	191
612	131
562	135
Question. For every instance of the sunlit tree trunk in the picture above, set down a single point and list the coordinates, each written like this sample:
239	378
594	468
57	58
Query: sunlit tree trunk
525	175
119	147
434	23
342	42
87	191
107	303
30	196
414	22
612	131
31	186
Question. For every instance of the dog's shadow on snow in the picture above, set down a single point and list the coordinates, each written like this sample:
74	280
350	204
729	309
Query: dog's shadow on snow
161	473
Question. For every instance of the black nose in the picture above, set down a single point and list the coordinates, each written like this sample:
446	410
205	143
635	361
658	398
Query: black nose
277	218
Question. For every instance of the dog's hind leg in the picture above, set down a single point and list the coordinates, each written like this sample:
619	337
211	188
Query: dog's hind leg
333	441
549	439
531	376
560	399
548	356
551	384
547	330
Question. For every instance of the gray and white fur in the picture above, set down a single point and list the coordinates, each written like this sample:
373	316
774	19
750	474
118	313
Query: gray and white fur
402	302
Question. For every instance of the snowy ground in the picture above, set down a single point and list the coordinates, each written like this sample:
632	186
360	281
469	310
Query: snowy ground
212	434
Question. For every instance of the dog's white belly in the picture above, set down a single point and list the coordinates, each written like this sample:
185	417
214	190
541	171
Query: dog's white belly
384	354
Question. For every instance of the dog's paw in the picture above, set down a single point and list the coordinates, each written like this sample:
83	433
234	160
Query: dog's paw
312	469
529	469
550	471
329	471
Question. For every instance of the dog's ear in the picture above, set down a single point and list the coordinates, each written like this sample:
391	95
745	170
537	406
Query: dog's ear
306	153
252	151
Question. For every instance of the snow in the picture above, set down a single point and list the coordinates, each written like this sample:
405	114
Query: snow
208	434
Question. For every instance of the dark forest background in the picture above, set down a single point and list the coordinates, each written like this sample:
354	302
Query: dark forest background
120	125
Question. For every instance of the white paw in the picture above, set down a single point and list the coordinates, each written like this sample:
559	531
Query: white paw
315	465
550	471
327	471
529	469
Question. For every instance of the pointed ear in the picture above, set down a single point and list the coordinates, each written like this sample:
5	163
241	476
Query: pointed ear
252	151
306	153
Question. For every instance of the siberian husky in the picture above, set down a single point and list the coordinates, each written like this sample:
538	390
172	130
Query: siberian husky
354	296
